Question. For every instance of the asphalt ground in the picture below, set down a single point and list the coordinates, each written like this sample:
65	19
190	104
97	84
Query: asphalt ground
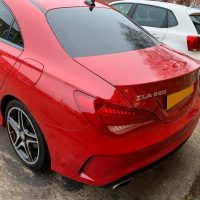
177	177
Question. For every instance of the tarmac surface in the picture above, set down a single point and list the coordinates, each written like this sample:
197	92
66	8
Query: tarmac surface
177	177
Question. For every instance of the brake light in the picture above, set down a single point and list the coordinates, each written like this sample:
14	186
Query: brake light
111	118
193	43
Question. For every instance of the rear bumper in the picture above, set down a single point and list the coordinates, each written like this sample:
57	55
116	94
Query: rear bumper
130	177
94	158
108	168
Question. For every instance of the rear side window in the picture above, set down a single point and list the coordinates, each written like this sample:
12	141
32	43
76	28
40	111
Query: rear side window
196	21
83	32
6	20
151	16
172	21
15	35
9	29
123	7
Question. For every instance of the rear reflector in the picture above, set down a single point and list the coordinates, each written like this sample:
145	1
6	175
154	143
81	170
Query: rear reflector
193	43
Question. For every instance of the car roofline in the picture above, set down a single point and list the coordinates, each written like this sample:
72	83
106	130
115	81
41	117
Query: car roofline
166	5
45	6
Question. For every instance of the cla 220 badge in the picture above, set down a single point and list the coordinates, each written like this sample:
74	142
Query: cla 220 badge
151	95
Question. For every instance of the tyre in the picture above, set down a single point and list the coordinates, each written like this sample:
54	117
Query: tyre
26	136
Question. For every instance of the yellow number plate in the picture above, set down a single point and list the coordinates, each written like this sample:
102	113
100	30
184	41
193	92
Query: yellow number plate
175	98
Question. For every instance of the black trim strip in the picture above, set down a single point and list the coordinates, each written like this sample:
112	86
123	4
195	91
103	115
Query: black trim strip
42	9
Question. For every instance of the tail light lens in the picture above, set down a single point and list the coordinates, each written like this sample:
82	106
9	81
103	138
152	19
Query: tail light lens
109	117
193	43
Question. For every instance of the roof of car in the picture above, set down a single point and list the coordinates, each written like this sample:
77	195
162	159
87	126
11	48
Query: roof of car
51	4
170	6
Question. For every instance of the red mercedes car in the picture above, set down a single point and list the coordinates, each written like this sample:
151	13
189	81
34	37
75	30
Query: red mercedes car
87	92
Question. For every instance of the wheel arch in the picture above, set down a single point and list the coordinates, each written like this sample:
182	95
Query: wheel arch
4	102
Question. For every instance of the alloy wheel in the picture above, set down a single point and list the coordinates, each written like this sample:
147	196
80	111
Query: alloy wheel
23	135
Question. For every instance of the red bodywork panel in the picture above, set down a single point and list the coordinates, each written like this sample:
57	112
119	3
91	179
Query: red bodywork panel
127	68
8	58
45	79
30	71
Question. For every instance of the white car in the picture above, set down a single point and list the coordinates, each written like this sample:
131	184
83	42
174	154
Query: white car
175	25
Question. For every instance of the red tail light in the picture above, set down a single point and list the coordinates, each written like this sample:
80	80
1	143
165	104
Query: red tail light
110	117
193	43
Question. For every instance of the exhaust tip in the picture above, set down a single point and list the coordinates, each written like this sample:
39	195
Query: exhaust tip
122	183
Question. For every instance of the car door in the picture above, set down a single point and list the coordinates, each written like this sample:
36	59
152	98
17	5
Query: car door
152	18
11	45
175	37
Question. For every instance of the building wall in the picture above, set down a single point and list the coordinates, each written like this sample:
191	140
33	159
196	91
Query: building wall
185	2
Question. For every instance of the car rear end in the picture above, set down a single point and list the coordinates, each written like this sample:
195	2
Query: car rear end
187	37
161	116
154	106
193	41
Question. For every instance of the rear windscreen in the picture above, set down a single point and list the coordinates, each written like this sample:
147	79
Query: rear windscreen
196	21
84	32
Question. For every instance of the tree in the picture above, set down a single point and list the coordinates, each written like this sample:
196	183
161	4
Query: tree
184	2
